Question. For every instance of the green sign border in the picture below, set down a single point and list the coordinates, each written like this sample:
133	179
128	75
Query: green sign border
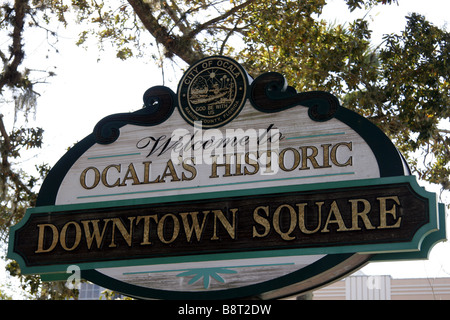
390	161
313	270
392	167
415	245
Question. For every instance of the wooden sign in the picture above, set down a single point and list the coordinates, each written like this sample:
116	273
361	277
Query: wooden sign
351	218
231	188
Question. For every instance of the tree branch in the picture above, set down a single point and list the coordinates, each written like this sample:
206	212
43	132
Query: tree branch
4	134
178	21
6	167
11	76
207	24
224	42
182	47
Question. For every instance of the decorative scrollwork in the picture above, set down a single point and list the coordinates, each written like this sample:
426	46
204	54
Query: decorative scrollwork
270	93
159	103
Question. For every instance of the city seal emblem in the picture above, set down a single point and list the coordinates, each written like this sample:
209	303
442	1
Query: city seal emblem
212	91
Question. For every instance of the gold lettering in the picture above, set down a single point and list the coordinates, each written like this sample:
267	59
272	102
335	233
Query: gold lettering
190	168
268	161
96	178
230	228
176	228
253	162
170	171
326	155
384	211
363	214
130	175
311	157
215	165
338	219
301	217
147	174
127	235
296	159
146	237
189	229
77	240
349	162
238	157
262	221
105	173
55	236
292	225
95	233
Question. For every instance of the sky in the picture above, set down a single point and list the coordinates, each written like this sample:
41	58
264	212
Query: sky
85	90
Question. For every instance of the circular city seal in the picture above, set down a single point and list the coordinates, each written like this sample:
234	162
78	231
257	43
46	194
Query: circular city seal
212	91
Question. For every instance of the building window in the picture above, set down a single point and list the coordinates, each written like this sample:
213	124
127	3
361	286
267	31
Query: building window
89	291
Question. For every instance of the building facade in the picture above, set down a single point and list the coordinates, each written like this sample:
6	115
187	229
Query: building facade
363	287
355	287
